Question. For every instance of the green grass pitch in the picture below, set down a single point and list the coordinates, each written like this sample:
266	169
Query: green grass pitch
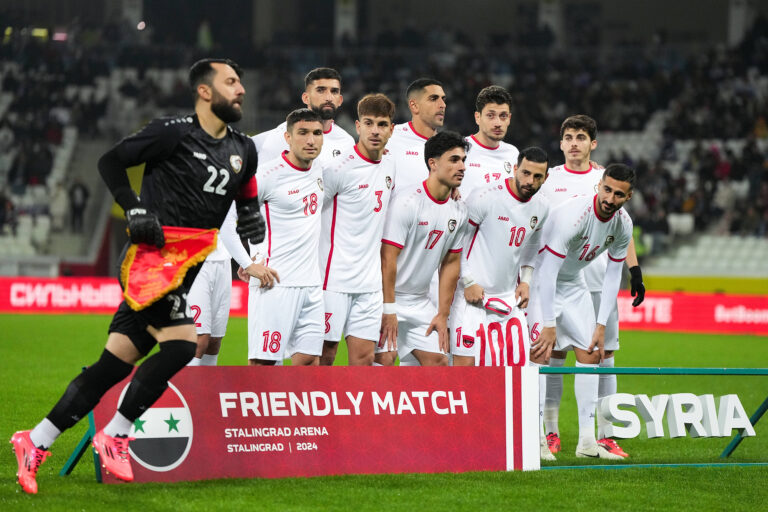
40	354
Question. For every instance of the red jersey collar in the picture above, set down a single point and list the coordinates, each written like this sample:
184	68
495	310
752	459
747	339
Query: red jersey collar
512	192
294	166
483	145
365	157
410	123
430	195
594	203
577	172
329	129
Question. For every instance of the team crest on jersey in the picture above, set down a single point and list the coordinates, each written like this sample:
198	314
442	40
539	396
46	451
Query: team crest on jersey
451	225
236	162
608	240
534	221
336	153
320	183
508	167
389	182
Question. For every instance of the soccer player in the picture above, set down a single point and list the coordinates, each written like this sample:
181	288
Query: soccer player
488	322
579	175
357	191
322	94
286	317
423	233
489	158
426	101
211	293
195	166
580	230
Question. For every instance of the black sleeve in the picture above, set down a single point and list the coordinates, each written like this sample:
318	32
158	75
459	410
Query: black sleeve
155	141
253	158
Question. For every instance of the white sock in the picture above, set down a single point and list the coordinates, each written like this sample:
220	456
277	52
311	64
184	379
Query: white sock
585	387
554	389
44	434
209	360
196	361
118	426
607	387
377	364
542	395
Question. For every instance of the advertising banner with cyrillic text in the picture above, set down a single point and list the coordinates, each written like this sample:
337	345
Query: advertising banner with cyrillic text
244	422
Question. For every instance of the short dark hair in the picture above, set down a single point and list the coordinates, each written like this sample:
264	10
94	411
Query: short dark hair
301	114
621	172
441	142
580	122
320	74
202	71
377	105
419	85
492	94
533	154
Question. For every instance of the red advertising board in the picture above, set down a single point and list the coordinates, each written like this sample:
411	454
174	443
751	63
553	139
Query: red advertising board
675	312
245	422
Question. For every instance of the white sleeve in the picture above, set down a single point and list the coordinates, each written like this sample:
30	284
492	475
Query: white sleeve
618	252
231	239
558	233
331	183
399	221
611	285
530	251
549	267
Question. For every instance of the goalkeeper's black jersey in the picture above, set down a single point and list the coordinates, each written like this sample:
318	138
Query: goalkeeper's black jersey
190	178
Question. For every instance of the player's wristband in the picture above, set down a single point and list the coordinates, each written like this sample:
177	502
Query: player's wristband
468	281
390	308
549	323
525	274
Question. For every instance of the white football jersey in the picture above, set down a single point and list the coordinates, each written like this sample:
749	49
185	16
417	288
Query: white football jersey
487	165
575	233
291	202
271	144
425	229
357	192
221	253
407	147
563	184
505	233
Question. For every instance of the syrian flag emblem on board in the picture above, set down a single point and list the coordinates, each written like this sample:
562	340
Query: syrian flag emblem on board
163	433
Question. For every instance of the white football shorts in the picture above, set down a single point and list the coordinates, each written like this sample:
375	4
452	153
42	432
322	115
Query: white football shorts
210	296
353	314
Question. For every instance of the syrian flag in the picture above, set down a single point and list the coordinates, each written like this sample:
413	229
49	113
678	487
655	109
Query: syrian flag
163	433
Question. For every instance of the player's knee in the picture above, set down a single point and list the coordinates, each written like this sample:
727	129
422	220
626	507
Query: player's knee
361	359
178	352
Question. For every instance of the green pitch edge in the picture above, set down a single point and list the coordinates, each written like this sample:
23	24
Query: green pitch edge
681	465
659	371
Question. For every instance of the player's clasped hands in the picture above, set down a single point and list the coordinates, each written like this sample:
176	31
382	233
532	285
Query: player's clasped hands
267	276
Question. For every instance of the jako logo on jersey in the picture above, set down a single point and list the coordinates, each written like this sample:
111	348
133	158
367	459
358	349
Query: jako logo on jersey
320	183
236	162
474	165
508	167
389	182
336	153
423	223
534	221
414	153
561	190
294	191
365	185
451	225
163	433
199	156
503	218
608	240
